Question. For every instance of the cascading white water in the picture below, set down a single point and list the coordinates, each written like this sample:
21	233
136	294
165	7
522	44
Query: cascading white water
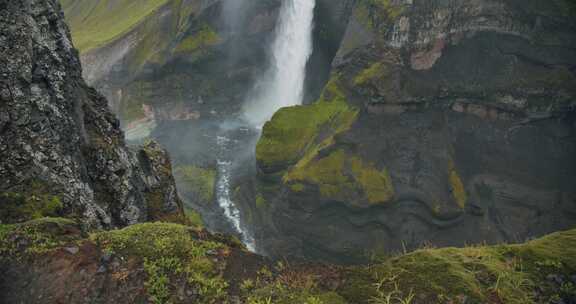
223	196
283	83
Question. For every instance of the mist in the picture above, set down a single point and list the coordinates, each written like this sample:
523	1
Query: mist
282	84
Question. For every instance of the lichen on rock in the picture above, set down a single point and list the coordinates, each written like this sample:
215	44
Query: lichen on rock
59	132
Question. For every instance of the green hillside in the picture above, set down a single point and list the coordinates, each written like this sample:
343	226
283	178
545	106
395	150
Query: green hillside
96	22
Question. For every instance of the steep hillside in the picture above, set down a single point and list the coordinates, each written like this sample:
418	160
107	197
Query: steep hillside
444	122
62	152
170	60
97	23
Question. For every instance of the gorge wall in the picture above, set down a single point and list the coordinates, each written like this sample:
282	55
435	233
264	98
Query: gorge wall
62	154
427	121
62	150
182	72
443	122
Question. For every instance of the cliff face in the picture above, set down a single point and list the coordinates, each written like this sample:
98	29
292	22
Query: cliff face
188	60
61	149
446	122
174	60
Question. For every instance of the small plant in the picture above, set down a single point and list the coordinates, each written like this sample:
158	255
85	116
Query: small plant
247	285
314	300
396	296
267	300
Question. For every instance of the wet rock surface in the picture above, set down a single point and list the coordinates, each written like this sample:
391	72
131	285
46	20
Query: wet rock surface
57	132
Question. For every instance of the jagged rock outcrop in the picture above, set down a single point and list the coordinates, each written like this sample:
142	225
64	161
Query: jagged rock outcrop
444	122
59	140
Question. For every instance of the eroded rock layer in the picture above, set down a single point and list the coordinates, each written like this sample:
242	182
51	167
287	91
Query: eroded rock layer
444	122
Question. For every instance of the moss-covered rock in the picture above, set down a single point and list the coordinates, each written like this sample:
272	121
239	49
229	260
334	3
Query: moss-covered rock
295	132
33	201
500	274
25	240
194	218
168	251
170	263
205	36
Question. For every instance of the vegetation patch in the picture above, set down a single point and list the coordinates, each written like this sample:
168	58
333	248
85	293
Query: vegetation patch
376	184
293	131
177	258
202	38
366	75
456	185
96	23
498	274
375	13
36	236
287	285
197	180
170	254
193	218
327	173
34	202
260	201
339	175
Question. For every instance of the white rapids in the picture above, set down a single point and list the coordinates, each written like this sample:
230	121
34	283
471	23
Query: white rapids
224	198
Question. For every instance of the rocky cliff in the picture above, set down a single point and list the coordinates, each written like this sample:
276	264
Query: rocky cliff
444	122
61	149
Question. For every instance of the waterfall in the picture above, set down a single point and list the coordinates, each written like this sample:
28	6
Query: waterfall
223	196
283	84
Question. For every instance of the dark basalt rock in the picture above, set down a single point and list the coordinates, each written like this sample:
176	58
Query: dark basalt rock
57	132
468	107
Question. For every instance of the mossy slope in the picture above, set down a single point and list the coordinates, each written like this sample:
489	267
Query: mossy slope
95	23
168	258
300	144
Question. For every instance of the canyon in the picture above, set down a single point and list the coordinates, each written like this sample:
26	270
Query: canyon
395	147
328	151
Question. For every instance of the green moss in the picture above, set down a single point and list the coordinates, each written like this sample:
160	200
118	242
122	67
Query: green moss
33	202
173	256
497	274
376	185
260	201
456	186
36	236
204	37
96	23
327	173
197	180
340	176
292	132
169	251
373	71
376	14
293	287
297	187
194	218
